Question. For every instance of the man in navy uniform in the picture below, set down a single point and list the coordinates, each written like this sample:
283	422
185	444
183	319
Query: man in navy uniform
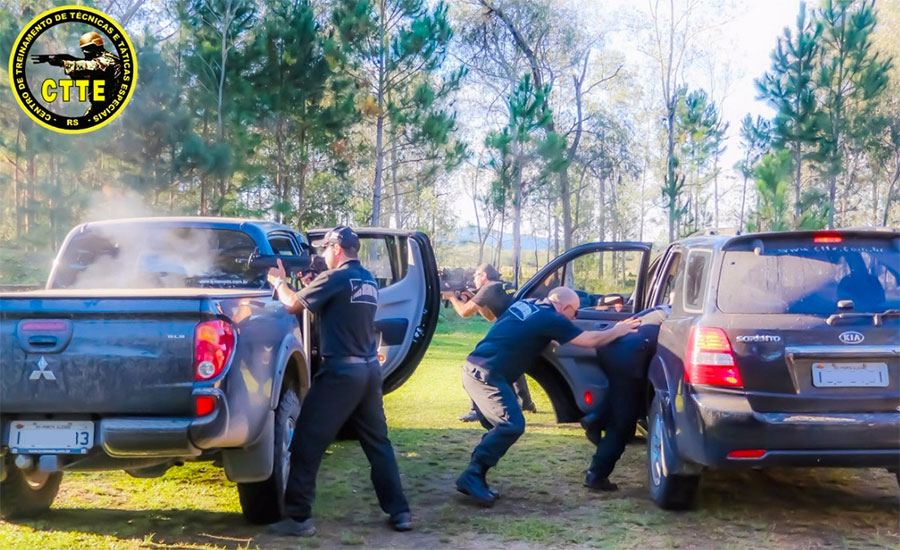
347	386
491	301
514	341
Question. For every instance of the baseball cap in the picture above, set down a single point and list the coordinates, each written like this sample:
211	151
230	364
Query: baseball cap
341	235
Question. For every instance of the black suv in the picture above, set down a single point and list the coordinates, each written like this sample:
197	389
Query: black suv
778	349
781	349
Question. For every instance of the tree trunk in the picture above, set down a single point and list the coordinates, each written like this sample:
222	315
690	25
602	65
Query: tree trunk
798	161
379	125
517	215
16	187
670	165
743	202
890	193
394	185
280	186
500	240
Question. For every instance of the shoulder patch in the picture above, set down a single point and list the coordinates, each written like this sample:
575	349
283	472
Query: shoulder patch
363	292
522	310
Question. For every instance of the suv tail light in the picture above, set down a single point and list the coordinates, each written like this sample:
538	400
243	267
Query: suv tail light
710	360
213	345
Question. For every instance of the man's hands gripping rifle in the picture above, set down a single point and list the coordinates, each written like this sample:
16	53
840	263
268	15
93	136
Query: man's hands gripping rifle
55	59
457	284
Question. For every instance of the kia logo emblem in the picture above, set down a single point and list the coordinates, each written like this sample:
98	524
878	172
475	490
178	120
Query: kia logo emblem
851	337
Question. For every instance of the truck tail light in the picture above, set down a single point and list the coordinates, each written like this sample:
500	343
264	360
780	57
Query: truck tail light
710	360
213	345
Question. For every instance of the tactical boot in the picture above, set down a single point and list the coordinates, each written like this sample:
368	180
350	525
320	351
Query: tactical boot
595	483
472	483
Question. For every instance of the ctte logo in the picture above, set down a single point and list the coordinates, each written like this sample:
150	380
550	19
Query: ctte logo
851	337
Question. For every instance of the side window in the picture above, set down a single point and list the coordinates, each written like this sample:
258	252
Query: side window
384	257
282	245
695	279
604	279
668	283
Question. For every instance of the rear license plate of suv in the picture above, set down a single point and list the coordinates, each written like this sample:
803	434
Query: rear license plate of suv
849	375
51	436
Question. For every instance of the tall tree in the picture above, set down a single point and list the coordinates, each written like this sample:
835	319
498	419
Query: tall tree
303	99
789	86
524	153
756	140
851	77
401	44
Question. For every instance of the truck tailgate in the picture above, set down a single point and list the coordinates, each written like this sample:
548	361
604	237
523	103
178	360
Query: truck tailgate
100	355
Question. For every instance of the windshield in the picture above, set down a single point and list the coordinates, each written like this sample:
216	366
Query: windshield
152	257
809	278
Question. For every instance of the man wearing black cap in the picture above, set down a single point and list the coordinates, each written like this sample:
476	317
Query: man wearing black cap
491	301
347	386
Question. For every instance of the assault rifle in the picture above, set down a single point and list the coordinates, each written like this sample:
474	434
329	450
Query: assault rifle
53	58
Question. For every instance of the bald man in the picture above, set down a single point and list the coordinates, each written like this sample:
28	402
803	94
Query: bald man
509	347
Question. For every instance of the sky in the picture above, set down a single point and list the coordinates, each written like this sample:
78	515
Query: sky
743	43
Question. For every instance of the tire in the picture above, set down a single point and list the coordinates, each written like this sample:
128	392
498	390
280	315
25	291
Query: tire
669	491
24	496
262	502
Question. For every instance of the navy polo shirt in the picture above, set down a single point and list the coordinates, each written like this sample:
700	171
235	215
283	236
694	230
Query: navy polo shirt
519	336
344	300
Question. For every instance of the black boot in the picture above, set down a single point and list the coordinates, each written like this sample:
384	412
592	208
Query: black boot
594	482
472	483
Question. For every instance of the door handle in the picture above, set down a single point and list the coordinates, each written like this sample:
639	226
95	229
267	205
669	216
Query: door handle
601	326
42	341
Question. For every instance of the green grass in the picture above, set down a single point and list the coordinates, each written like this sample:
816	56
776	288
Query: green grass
543	503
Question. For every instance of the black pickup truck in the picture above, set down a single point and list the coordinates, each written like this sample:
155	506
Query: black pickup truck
157	341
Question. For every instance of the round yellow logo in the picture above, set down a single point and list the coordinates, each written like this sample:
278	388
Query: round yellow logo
69	93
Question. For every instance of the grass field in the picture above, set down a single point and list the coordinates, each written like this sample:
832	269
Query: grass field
543	503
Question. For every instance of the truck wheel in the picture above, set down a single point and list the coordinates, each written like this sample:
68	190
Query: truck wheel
669	491
24	496
262	502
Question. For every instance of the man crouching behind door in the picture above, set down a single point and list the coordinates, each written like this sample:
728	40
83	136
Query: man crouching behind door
346	388
515	340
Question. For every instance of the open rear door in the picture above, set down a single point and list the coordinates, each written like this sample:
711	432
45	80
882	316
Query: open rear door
610	279
408	296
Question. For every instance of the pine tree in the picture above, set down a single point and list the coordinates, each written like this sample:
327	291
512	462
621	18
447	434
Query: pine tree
400	46
851	77
790	88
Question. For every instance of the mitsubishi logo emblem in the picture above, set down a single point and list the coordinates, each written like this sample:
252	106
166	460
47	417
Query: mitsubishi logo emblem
42	371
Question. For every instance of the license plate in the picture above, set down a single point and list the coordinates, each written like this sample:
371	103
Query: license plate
850	375
51	436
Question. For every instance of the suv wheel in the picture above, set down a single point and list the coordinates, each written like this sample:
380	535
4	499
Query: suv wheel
262	502
24	495
669	491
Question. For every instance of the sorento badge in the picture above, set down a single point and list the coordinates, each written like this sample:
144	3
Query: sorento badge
72	93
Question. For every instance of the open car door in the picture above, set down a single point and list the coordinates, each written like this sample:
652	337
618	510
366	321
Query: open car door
403	264
610	278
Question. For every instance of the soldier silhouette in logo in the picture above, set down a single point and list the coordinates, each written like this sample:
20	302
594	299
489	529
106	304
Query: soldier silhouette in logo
98	64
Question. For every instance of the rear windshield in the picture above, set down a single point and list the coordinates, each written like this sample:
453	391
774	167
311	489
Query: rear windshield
155	257
810	278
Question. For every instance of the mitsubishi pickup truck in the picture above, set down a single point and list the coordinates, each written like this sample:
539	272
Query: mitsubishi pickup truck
157	341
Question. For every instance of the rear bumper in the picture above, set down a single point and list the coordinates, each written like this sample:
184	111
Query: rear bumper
157	437
727	423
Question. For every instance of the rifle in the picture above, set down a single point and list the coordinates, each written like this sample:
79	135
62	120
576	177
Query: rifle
459	282
53	59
